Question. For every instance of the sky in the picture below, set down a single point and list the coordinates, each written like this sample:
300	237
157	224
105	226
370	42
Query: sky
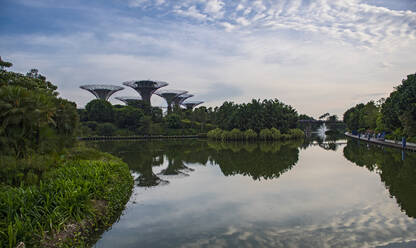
317	55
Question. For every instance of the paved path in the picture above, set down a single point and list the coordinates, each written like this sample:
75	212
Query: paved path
409	146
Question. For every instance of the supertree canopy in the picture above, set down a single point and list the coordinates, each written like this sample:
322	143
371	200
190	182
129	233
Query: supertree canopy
191	104
145	88
101	91
134	101
181	98
170	95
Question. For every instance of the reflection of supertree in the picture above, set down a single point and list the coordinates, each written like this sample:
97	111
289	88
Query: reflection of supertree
140	162
101	91
399	176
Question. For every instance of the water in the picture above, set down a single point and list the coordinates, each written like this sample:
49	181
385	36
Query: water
194	193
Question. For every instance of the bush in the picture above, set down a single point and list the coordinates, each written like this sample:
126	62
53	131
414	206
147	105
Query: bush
236	134
296	133
250	134
225	135
106	129
215	134
276	135
266	134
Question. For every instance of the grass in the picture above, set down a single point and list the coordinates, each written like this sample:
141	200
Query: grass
37	214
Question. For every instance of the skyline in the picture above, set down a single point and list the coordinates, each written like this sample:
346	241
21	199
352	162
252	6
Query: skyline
318	56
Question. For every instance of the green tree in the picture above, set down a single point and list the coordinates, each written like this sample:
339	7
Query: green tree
399	109
128	117
100	110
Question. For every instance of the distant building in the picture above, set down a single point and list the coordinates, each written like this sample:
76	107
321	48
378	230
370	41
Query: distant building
101	91
145	88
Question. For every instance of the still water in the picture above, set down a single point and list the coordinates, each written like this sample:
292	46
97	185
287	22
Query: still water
198	193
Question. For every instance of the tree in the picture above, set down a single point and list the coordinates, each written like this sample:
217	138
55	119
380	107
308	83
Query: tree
100	110
399	109
4	64
128	117
32	118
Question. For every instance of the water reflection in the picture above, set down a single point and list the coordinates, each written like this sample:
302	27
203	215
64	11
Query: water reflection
257	160
271	158
397	171
287	194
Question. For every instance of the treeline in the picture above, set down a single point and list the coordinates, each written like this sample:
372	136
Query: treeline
47	179
101	118
395	115
250	134
104	119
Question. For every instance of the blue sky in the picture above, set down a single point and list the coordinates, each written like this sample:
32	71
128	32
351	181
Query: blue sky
317	55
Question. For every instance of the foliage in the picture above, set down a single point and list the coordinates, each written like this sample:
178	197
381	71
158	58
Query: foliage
33	118
362	116
256	115
100	110
266	134
128	117
399	109
106	129
396	114
173	121
249	134
65	195
215	134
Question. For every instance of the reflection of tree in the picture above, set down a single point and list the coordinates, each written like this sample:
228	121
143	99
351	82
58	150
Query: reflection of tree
140	156
258	160
399	176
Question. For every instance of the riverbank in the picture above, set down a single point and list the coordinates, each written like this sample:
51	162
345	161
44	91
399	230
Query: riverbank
390	143
83	195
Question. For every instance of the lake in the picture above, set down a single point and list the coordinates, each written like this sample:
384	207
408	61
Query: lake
314	193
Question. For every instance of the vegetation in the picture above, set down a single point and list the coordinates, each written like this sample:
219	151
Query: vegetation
79	190
395	115
51	189
264	134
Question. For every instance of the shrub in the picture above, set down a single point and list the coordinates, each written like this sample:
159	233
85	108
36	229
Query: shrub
266	134
250	134
225	135
276	135
236	134
296	133
215	134
106	129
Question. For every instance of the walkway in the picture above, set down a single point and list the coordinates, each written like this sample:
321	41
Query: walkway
391	143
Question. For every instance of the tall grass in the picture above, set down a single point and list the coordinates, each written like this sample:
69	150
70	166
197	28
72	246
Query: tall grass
64	195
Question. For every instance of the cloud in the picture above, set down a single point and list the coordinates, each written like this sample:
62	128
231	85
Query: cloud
306	53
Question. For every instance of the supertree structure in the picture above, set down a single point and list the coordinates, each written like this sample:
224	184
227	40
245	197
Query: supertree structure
101	91
169	96
180	99
191	104
145	88
134	101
